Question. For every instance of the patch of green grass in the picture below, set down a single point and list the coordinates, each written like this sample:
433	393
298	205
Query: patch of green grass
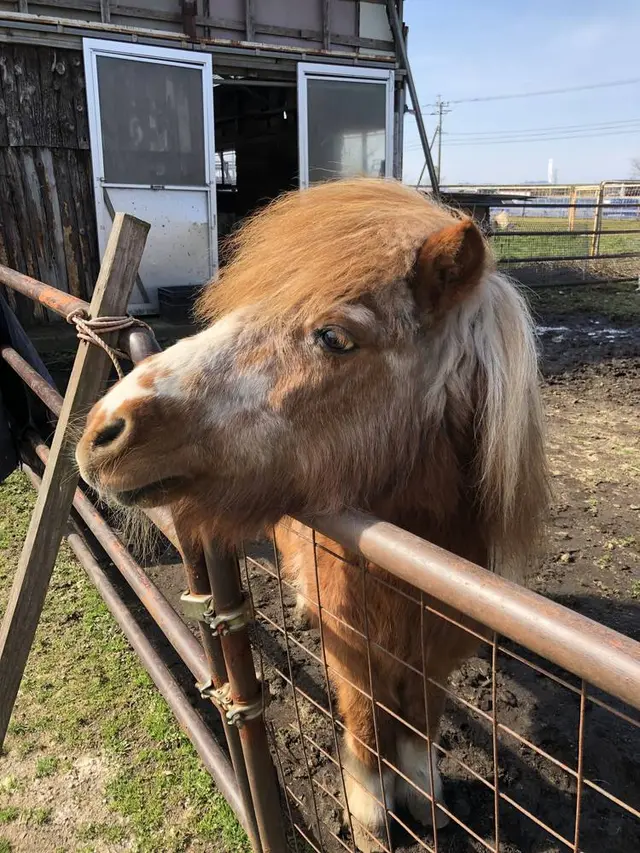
635	589
142	791
563	242
85	693
37	816
47	766
618	302
9	814
112	833
5	847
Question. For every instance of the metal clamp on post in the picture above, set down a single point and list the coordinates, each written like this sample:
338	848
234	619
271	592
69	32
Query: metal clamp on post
235	713
200	608
196	606
241	712
230	621
220	696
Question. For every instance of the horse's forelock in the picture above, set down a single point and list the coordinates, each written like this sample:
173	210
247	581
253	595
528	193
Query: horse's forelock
324	246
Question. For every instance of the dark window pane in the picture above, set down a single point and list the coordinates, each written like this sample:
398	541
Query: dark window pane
347	122
152	122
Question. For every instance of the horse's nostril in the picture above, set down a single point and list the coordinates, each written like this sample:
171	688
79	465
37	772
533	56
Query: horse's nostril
109	433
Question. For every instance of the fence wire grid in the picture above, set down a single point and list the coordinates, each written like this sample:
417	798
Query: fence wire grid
564	234
526	750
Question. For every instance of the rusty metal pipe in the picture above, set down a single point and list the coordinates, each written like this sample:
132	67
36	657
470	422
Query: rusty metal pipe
55	300
245	689
597	654
198	582
41	388
139	342
213	758
189	720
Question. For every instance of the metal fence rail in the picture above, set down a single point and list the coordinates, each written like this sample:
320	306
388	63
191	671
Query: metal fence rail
578	668
565	234
307	739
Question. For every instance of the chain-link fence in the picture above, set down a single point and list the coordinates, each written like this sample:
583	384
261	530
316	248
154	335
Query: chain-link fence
563	234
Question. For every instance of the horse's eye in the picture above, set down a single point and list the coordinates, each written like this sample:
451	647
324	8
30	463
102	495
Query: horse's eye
334	339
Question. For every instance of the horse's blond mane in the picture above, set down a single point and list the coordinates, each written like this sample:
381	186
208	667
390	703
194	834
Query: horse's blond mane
490	340
323	247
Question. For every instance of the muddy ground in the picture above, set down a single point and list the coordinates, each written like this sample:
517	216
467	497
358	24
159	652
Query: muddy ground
591	366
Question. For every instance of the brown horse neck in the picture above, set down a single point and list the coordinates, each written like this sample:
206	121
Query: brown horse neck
437	502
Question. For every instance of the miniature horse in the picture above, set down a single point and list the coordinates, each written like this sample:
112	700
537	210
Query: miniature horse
362	352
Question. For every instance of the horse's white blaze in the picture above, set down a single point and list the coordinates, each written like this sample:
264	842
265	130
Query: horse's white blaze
210	358
125	391
413	761
203	354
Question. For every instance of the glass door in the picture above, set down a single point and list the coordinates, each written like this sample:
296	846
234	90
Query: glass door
152	149
345	122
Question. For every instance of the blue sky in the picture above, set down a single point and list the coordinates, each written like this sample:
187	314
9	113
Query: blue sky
470	48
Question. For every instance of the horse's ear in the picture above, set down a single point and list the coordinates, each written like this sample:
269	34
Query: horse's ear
449	265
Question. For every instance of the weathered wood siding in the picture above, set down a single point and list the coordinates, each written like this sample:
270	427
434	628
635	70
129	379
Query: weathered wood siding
47	213
351	26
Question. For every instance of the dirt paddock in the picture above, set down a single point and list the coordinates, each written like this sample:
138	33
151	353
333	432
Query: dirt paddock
591	378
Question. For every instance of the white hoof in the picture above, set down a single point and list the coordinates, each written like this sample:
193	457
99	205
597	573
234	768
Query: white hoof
413	760
364	802
369	843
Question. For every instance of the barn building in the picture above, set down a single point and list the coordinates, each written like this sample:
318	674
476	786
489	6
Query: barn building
187	113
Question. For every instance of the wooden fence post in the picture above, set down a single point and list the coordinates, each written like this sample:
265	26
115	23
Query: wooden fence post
594	248
90	371
573	198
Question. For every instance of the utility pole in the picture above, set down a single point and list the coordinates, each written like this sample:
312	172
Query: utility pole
441	109
435	133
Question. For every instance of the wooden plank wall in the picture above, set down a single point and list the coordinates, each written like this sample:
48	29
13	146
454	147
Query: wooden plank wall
47	213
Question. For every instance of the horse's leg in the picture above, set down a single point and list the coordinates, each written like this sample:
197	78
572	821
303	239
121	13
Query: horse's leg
366	792
416	764
446	646
295	544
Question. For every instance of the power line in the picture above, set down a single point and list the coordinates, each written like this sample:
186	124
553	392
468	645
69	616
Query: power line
506	140
543	134
533	137
546	138
535	130
605	85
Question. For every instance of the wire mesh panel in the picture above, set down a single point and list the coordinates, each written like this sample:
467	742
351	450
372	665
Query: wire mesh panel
530	755
564	234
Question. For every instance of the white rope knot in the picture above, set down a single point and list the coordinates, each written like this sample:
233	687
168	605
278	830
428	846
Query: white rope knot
90	330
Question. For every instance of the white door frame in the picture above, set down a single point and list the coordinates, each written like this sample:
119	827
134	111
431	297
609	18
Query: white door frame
92	48
307	71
